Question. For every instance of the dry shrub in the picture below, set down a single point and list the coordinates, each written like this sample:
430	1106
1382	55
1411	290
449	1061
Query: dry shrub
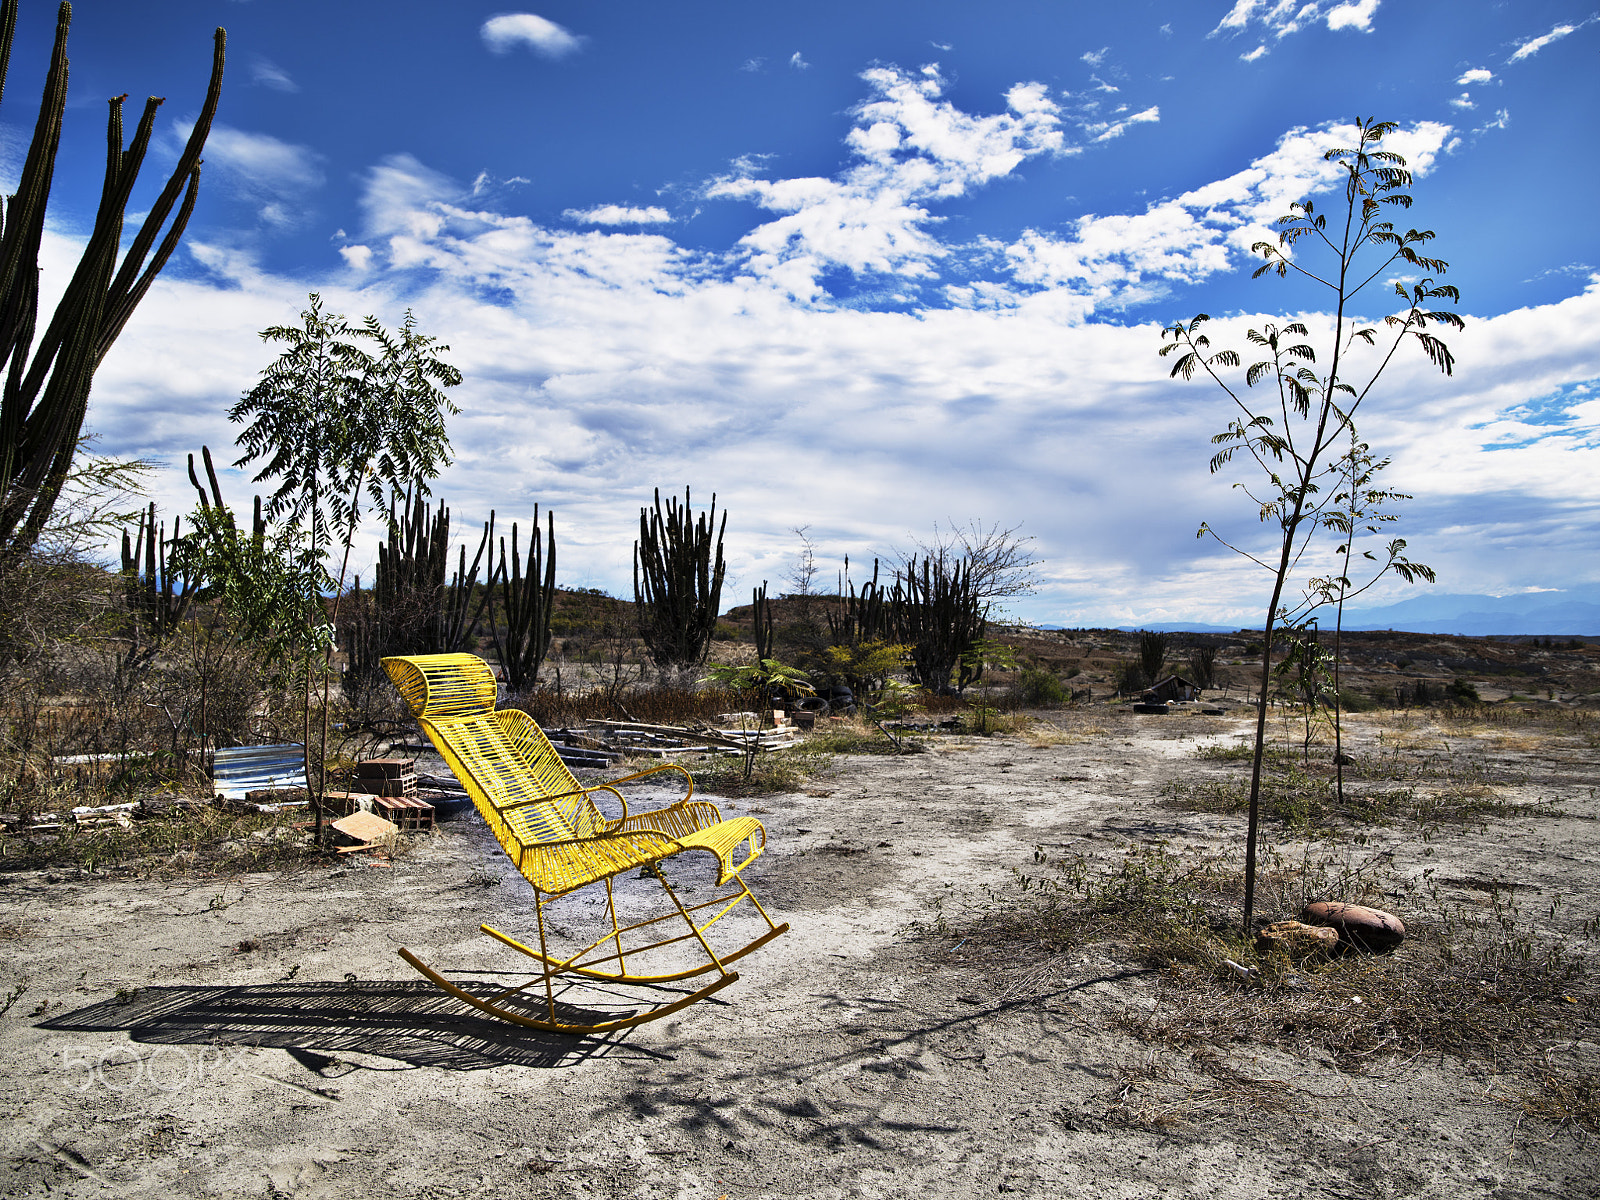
185	842
654	706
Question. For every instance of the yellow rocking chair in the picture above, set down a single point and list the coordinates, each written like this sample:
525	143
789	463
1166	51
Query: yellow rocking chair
549	826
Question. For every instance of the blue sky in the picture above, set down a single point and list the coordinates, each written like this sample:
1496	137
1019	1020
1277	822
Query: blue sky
864	268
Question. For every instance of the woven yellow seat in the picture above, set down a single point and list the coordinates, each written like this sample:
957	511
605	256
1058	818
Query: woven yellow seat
548	824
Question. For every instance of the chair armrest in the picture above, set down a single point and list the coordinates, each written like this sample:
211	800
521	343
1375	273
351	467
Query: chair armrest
688	778
610	785
676	820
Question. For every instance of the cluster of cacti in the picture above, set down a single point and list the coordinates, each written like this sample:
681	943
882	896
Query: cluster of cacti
528	601
418	610
677	585
156	595
938	613
47	389
862	616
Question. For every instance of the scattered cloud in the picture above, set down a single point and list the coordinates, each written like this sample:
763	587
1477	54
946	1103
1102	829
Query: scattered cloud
798	63
912	147
1462	101
274	175
1258	52
1094	57
1117	128
358	257
504	33
1111	262
1353	16
1284	17
1502	120
271	75
1531	47
616	214
1475	76
752	65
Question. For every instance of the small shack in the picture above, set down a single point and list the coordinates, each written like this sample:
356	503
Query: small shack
1173	687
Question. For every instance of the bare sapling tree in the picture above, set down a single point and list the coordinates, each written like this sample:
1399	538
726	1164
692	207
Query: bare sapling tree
1292	439
997	559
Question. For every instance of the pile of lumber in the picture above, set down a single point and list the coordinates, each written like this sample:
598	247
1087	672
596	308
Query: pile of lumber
668	741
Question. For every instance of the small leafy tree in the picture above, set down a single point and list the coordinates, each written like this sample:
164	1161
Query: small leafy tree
760	679
1292	439
343	411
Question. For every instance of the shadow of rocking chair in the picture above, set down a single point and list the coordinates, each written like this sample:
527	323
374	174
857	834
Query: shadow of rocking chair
548	824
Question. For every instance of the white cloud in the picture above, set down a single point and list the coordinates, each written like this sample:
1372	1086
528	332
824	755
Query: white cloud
616	214
1353	16
603	362
912	147
752	65
1462	101
1116	129
1258	52
275	176
798	63
1284	17
509	30
1094	57
1475	76
1502	120
1109	262
1529	48
260	158
269	74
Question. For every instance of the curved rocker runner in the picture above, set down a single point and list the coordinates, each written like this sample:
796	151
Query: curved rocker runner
549	826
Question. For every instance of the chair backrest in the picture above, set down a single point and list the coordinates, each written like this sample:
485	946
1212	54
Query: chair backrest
503	759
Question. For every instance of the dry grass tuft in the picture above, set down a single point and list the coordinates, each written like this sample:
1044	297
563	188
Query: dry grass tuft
1465	983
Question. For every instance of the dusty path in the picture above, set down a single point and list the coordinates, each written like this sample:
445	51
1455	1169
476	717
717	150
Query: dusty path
855	1057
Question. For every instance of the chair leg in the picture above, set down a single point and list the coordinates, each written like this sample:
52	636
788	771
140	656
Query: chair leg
553	967
713	961
556	1026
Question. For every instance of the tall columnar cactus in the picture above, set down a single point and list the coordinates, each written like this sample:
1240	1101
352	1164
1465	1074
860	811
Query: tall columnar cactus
528	601
47	385
939	614
761	617
677	585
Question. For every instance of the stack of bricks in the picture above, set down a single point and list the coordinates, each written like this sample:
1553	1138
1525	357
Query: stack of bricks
392	784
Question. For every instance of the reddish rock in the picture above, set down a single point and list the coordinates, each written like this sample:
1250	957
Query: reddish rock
1297	940
1363	928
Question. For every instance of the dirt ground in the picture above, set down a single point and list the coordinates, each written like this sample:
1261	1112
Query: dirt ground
257	1035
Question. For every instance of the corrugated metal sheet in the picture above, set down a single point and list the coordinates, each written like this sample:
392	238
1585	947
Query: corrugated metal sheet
242	769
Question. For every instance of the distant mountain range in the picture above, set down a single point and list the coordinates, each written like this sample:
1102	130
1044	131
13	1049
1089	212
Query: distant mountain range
1546	614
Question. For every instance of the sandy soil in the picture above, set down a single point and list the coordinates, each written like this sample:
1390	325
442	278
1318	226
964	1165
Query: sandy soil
152	1056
